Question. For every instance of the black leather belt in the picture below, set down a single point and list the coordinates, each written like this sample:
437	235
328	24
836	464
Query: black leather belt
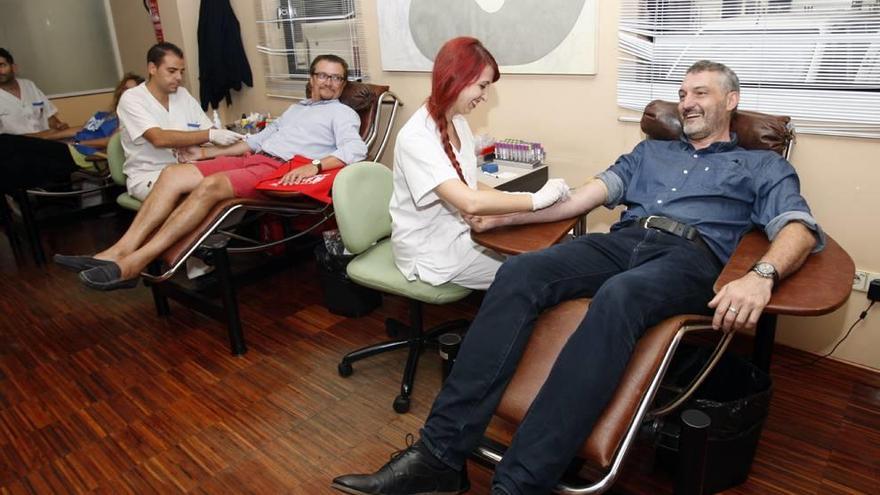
270	155
673	227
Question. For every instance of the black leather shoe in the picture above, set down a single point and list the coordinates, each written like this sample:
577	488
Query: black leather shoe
78	263
106	277
407	473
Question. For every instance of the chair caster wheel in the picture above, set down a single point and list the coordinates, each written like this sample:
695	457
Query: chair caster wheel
344	369
401	404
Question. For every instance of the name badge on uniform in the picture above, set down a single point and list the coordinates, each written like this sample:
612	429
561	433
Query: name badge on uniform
192	125
37	109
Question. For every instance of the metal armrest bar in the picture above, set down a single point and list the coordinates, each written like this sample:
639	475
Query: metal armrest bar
698	380
605	483
237	237
218	221
263	247
66	194
386	98
791	140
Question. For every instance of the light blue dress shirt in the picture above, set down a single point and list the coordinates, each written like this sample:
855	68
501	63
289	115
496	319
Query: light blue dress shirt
313	129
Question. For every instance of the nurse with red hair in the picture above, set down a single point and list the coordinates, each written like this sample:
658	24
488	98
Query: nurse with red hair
435	177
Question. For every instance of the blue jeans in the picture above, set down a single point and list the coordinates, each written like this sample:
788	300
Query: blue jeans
636	277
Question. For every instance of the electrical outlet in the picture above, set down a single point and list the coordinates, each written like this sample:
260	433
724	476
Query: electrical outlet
860	281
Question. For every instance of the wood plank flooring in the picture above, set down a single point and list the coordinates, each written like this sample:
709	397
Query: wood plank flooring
100	395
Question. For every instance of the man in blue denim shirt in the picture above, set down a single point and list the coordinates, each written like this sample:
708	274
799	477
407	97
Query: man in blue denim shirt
689	201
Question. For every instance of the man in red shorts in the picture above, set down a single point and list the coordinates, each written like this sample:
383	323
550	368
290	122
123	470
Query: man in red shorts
321	128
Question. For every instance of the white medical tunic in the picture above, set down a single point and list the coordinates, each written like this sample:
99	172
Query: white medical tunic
429	239
139	111
27	114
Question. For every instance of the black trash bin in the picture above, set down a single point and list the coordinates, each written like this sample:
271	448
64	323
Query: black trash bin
736	396
341	295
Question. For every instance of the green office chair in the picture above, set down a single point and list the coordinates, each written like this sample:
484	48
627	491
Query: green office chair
116	160
361	193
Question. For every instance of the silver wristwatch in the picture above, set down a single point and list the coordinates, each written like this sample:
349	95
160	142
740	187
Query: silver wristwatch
766	270
317	164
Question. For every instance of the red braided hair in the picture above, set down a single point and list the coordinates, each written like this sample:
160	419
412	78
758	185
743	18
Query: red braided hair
458	64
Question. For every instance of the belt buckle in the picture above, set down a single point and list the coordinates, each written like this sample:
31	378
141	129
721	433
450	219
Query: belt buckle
648	221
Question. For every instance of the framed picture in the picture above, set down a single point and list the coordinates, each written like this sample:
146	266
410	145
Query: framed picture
525	36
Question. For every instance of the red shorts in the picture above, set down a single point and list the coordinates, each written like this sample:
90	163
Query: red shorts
244	172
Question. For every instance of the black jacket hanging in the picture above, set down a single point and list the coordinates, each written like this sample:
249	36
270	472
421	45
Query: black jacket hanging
223	65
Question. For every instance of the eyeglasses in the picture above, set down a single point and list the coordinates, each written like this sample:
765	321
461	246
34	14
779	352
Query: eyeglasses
323	76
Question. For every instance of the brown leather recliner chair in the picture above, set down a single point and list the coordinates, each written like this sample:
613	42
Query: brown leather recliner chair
821	285
216	237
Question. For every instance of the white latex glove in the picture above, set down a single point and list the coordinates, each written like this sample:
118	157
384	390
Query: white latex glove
223	137
553	191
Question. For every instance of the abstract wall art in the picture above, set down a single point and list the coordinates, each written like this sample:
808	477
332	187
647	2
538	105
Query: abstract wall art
525	36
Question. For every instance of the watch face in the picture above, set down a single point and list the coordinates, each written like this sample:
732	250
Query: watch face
765	269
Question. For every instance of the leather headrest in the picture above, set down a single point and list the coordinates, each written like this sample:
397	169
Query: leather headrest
361	96
755	131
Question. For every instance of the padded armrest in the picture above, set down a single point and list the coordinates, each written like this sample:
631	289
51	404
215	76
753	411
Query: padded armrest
820	286
518	239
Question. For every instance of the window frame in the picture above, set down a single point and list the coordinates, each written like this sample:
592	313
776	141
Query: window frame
341	20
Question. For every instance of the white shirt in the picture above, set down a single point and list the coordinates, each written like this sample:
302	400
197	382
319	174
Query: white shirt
27	114
429	239
139	111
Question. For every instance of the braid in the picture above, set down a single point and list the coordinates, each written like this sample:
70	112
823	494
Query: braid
447	146
458	64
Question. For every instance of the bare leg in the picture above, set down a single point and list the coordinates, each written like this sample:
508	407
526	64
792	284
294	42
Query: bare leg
210	191
173	182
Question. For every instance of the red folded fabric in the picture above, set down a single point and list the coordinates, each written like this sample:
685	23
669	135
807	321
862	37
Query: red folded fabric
317	187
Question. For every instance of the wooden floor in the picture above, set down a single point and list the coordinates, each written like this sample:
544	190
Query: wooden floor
99	395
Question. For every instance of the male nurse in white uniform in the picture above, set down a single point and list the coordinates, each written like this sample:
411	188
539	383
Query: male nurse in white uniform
29	127
160	116
24	109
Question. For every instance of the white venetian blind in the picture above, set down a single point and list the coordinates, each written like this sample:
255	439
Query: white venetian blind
817	61
293	32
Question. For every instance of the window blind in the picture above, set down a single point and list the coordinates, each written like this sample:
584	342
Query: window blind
817	61
293	32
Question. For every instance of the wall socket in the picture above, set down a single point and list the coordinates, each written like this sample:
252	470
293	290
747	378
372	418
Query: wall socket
862	278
